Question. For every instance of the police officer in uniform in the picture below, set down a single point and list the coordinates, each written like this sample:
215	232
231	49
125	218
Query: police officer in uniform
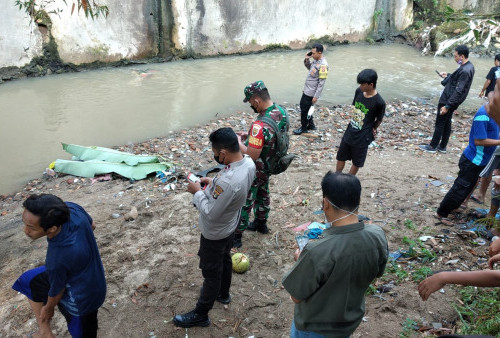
260	144
315	81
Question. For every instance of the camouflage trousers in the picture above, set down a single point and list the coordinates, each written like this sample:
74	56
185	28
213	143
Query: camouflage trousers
258	198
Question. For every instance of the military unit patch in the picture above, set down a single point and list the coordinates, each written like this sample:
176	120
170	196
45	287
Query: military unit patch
256	137
256	128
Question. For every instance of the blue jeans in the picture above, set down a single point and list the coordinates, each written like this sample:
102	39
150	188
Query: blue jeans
294	333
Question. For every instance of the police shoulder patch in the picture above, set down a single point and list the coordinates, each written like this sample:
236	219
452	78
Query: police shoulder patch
217	191
323	72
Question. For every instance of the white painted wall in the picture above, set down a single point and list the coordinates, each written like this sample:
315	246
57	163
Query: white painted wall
403	13
19	42
123	34
229	25
201	26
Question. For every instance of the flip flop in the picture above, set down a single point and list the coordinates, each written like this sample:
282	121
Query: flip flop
444	220
475	199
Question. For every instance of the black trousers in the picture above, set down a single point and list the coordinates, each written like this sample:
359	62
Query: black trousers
442	128
462	187
217	268
305	104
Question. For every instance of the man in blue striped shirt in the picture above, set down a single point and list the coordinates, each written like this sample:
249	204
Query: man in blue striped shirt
483	138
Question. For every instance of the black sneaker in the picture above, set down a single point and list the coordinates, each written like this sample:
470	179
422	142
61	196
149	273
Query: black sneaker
224	300
441	150
298	131
427	148
258	226
191	319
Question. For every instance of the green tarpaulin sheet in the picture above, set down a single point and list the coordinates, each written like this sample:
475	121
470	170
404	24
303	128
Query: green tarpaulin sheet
96	167
105	154
91	161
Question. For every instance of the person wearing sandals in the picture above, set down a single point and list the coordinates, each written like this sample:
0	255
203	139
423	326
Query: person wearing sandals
483	138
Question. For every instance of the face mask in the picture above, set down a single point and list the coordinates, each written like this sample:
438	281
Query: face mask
349	213
254	109
460	62
217	159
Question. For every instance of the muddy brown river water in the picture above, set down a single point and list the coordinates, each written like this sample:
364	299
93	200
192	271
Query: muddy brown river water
126	105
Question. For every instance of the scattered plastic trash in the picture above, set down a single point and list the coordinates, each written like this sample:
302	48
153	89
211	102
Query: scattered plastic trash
301	241
453	261
437	325
437	183
424	238
313	233
395	255
101	178
363	218
316	225
301	227
480	241
49	173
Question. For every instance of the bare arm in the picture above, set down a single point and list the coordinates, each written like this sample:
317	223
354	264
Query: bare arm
47	311
93	225
487	142
252	152
493	260
484	278
486	84
493	107
494	248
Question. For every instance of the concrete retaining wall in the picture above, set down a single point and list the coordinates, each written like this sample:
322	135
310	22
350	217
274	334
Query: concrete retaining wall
139	29
19	41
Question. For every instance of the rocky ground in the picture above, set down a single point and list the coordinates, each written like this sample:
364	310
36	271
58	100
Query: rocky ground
151	259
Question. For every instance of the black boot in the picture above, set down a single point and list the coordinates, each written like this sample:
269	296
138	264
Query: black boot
299	131
237	240
191	319
258	225
311	125
224	300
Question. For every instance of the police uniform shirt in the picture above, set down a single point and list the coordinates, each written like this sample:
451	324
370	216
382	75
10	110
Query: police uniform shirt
315	80
221	202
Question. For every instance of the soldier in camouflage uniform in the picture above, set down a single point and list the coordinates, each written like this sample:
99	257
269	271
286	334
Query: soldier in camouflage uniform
260	144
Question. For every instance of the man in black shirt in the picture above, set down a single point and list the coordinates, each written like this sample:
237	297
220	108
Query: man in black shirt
491	78
367	114
455	92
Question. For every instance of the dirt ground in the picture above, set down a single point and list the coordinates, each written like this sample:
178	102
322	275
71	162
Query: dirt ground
151	262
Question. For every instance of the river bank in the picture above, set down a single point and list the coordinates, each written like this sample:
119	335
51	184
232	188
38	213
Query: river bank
151	262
